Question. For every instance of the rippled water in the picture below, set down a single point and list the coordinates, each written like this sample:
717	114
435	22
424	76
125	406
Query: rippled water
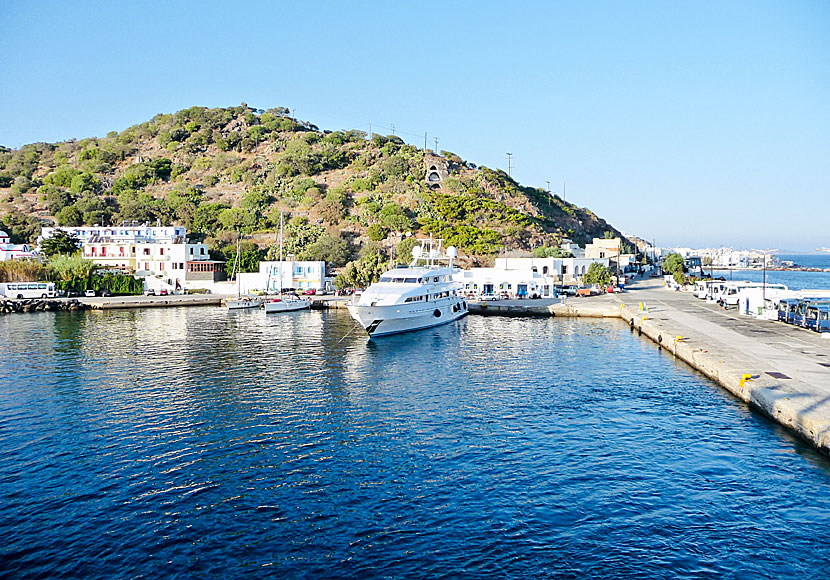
189	443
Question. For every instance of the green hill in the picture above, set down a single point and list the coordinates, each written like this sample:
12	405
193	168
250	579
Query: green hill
233	170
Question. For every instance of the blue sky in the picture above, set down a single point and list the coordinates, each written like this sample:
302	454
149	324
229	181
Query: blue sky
692	123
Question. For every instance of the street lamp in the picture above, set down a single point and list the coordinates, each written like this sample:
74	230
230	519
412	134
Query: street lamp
764	284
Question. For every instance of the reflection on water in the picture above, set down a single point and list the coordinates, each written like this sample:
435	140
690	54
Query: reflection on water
201	442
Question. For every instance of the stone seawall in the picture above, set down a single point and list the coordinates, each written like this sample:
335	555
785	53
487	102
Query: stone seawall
39	305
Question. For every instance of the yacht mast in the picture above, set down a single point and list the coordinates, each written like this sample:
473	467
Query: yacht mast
281	264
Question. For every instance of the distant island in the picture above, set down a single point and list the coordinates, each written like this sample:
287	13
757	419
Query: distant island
226	172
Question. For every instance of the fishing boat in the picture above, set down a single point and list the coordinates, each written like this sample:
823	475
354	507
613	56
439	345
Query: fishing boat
414	297
284	302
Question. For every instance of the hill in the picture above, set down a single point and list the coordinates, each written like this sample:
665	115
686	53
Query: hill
233	170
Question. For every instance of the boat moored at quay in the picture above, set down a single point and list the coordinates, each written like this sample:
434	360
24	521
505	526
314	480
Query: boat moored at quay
421	295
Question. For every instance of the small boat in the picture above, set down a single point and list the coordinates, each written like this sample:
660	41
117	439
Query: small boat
421	295
284	302
243	303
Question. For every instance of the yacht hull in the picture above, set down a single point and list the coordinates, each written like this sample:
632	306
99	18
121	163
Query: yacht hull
384	320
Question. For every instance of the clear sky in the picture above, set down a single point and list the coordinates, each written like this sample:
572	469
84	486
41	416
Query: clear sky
693	123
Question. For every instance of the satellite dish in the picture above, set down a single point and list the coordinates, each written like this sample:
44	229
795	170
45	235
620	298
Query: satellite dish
452	252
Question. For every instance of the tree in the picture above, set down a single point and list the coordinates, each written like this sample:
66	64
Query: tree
377	232
404	249
598	274
60	243
673	263
334	251
69	268
70	216
363	272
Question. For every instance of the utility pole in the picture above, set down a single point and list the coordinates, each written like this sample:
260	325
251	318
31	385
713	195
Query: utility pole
436	145
370	131
425	140
548	182
393	128
509	165
563	190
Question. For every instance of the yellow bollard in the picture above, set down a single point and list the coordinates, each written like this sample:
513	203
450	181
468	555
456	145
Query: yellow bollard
744	378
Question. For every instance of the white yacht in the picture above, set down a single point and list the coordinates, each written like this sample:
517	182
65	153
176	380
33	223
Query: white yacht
412	297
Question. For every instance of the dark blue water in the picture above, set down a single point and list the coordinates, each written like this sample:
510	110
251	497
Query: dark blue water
807	260
197	443
795	280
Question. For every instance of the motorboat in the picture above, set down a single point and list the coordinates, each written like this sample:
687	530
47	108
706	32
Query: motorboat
420	295
243	302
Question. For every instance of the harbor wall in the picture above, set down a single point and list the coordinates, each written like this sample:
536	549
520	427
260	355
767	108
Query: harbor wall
801	407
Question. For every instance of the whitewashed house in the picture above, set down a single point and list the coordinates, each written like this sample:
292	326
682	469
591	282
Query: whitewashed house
9	251
272	276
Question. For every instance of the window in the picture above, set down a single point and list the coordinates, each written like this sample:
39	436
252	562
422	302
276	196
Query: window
191	251
202	251
161	251
146	251
544	270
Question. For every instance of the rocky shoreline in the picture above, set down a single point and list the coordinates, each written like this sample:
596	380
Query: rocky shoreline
40	305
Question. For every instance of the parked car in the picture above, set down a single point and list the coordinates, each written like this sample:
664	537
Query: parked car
149	292
72	293
163	293
311	292
90	293
106	293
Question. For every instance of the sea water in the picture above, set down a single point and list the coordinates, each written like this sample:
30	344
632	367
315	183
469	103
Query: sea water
202	443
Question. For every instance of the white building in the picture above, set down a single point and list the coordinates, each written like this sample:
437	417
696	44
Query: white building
526	277
9	251
562	270
273	276
161	254
131	234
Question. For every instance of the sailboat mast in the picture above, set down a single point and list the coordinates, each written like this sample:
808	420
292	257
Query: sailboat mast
281	264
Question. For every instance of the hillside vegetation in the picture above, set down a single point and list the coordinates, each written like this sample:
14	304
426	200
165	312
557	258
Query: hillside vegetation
228	171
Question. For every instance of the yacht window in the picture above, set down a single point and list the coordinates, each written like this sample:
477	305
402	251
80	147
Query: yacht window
397	280
410	280
425	281
385	279
435	278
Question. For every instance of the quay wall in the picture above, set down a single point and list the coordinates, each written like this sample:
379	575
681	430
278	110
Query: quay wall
790	402
154	301
795	404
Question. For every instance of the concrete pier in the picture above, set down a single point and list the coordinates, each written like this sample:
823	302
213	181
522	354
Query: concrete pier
115	302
